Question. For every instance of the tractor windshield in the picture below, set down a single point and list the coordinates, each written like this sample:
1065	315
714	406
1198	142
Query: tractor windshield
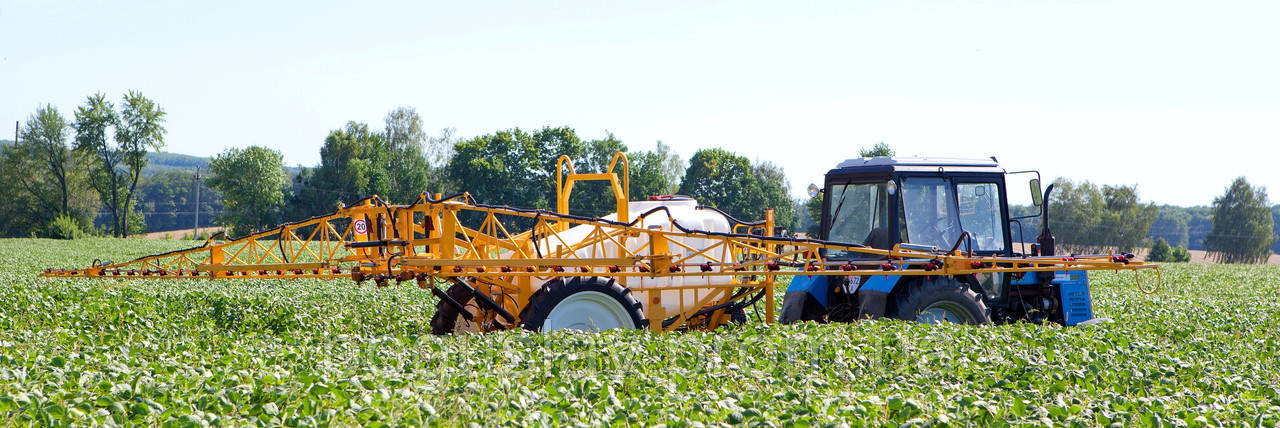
928	206
859	214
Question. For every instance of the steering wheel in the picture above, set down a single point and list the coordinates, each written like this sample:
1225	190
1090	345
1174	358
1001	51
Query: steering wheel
944	228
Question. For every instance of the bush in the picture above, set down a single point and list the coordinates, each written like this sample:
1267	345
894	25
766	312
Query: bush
63	227
1162	252
137	223
1180	255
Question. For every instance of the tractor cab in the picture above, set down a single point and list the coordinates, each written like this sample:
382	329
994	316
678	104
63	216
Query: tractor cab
938	206
921	202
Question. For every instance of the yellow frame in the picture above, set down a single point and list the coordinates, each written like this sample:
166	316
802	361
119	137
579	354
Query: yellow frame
498	262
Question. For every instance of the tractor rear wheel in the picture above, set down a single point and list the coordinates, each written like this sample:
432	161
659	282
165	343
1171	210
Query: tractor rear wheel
942	300
448	320
586	304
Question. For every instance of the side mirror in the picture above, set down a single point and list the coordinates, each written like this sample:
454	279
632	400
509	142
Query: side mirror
814	190
1037	198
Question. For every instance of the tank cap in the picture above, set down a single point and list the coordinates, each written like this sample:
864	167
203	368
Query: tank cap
671	198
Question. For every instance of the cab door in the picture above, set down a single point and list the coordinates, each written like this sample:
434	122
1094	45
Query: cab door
981	213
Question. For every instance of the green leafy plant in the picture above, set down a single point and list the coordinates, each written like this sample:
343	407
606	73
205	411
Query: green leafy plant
1203	351
63	227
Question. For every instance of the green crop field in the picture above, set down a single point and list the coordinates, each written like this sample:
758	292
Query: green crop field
1205	350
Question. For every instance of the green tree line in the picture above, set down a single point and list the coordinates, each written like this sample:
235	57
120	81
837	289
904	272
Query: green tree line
65	169
87	174
514	167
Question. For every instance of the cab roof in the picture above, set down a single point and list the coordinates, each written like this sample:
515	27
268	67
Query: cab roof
923	164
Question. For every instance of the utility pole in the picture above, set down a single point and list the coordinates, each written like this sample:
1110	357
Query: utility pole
195	234
15	131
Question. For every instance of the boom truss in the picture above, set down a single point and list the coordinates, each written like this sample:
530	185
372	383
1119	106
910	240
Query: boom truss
455	239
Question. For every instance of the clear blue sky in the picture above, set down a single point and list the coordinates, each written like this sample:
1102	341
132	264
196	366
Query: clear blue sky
1176	97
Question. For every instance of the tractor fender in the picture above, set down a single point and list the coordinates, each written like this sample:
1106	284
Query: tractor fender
873	294
818	286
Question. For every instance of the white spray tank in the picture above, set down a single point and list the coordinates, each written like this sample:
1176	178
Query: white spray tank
684	210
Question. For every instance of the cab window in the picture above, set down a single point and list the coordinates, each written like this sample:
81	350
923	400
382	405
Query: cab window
859	214
928	206
980	215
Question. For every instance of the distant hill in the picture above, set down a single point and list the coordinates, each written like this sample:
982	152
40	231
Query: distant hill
158	162
161	162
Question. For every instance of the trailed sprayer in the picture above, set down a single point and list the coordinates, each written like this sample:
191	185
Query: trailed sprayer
668	263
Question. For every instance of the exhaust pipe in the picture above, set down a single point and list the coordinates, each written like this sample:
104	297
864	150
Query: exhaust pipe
1045	241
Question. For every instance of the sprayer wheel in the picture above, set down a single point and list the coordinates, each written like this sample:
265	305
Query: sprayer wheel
586	304
448	320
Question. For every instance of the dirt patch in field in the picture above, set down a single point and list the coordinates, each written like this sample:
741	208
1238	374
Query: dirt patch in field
179	234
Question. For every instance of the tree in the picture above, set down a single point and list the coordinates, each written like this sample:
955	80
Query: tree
407	164
43	144
721	179
1172	225
1087	218
252	183
813	205
94	120
655	172
1126	221
772	188
514	167
138	129
167	199
1275	222
881	149
18	213
1160	251
353	165
1180	254
1242	225
595	198
438	152
813	211
397	164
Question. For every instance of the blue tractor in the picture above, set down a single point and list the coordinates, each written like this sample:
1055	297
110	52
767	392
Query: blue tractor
940	205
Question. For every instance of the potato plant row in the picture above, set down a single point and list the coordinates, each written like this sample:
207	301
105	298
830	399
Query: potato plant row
1203	351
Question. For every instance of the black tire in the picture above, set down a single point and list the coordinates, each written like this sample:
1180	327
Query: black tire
448	320
922	301
737	316
557	290
800	306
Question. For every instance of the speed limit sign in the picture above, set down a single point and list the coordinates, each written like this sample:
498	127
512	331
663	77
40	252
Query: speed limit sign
361	226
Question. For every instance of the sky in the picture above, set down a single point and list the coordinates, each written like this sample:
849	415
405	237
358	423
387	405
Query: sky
1178	98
